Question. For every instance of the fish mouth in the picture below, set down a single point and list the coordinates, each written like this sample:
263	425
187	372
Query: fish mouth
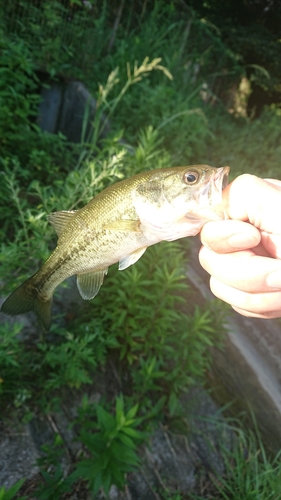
210	198
217	182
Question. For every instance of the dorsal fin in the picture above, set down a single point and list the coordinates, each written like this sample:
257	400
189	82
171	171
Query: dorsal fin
59	220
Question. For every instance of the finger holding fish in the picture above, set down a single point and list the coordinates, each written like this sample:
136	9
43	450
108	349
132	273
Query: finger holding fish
253	206
256	305
242	270
229	236
243	255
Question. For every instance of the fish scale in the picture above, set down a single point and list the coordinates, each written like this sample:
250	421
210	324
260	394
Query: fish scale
117	226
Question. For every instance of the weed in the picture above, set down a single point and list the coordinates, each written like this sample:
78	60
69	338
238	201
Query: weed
12	360
11	492
250	473
161	347
247	152
55	484
69	362
112	447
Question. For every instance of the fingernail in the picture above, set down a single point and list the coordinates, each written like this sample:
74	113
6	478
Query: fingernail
242	241
273	280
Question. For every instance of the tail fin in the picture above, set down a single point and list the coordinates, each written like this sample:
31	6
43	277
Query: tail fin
20	302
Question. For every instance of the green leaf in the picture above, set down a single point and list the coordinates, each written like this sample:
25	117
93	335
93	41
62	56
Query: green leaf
12	491
105	420
132	413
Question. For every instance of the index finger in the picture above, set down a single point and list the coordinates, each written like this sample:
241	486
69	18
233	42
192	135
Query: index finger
229	235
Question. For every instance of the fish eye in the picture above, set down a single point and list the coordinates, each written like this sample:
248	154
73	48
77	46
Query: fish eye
191	177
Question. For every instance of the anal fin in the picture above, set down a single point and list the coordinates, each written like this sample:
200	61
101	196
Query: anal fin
89	283
130	259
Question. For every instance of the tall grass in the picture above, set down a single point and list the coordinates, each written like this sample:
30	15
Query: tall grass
250	473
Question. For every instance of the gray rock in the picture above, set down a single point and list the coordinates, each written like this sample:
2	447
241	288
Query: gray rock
18	455
49	107
166	465
208	431
63	107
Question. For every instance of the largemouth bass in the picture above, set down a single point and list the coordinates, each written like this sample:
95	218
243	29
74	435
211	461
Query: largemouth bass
117	226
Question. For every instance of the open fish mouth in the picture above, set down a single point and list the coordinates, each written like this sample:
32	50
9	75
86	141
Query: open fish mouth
218	181
210	197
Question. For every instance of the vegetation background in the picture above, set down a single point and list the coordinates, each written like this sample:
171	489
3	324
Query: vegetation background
181	82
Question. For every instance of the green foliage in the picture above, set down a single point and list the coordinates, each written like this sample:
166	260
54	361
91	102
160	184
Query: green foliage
9	345
177	496
247	153
11	492
112	447
250	471
69	363
12	362
55	30
23	146
143	316
148	153
197	59
55	481
54	485
17	83
144	322
166	110
106	106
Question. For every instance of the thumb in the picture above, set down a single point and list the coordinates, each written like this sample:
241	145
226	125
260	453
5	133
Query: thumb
258	201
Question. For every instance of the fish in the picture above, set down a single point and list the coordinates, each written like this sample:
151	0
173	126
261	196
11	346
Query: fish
118	225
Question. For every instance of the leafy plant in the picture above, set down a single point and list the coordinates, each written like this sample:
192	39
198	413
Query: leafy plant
10	348
12	491
55	484
105	106
150	336
257	159
11	358
70	362
17	81
112	447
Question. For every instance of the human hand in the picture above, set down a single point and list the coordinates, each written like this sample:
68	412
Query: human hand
243	254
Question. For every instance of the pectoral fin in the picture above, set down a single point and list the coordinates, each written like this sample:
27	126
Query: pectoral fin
123	225
59	220
89	283
131	259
